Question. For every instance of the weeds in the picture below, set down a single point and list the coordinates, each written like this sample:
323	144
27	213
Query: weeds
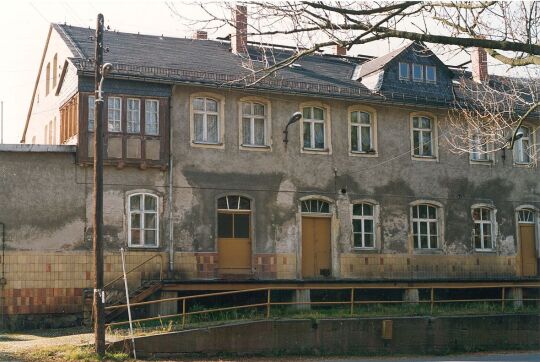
72	353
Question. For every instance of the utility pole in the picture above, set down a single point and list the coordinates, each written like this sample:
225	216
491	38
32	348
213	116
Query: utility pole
99	296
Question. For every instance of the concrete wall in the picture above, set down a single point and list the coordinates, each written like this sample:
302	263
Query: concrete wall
364	336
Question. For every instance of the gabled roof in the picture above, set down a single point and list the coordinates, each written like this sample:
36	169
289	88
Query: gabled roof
380	62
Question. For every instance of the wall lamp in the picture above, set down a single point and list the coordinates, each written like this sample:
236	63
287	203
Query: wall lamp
105	71
294	118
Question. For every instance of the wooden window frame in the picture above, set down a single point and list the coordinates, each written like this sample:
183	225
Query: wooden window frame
434	74
146	101
267	124
221	120
421	67
401	77
143	212
327	149
373	130
362	219
416	243
492	213
120	130
530	151
434	136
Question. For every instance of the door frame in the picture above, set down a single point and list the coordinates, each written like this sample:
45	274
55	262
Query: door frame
334	263
251	212
518	235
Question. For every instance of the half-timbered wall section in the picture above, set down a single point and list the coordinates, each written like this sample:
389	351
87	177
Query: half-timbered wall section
69	120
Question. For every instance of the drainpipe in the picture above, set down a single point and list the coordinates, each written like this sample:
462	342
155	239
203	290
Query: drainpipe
3	280
171	238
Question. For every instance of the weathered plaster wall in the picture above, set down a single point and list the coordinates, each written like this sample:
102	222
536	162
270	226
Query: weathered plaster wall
277	179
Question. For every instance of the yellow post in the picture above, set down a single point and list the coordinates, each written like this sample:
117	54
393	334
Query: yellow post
352	301
432	300
183	312
502	299
268	303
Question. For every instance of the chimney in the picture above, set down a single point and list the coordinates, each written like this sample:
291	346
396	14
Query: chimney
200	35
479	65
239	34
340	50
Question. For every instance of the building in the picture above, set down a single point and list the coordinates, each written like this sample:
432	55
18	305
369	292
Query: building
198	172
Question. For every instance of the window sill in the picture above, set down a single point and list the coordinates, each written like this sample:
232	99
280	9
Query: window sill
359	250
316	150
143	247
255	147
207	144
485	251
424	158
482	162
524	165
436	251
363	154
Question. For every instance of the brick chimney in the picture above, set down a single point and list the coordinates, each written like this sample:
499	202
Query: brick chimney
200	35
340	50
239	31
479	65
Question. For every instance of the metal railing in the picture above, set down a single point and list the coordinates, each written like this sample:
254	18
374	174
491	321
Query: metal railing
137	267
351	301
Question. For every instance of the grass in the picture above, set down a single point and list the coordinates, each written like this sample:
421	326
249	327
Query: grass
71	353
317	312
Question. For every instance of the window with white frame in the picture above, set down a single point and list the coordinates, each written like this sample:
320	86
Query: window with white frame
91	109
403	70
133	115
425	226
526	216
253	124
115	114
363	223
151	118
143	221
206	120
422	136
361	132
522	147
315	206
483	228
431	74
479	148
418	72
314	128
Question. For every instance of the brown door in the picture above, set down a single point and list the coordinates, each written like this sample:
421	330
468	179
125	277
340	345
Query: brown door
316	255
234	243
528	250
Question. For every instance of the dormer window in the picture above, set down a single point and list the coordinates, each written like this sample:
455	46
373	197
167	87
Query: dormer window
404	71
431	74
418	72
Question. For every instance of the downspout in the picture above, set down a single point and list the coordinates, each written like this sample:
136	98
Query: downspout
171	238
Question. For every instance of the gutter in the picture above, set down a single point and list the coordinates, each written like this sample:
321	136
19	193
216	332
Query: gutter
171	228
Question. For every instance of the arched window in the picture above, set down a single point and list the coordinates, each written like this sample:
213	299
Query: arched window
522	147
315	206
234	217
425	226
526	216
143	221
206	120
363	222
483	219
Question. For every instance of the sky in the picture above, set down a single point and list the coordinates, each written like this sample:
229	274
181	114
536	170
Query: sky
24	27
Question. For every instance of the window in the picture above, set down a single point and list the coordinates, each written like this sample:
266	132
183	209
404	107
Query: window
55	70
431	74
363	223
151	120
47	79
45	134
425	228
361	132
50	135
313	123
404	71
143	220
206	120
315	206
91	109
422	136
253	124
526	216
234	217
133	115
522	147
418	72
479	148
483	228
115	114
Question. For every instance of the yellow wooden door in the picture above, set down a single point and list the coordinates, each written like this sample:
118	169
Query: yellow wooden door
316	251
234	243
528	250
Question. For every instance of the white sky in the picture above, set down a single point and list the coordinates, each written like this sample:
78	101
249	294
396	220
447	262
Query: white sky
24	27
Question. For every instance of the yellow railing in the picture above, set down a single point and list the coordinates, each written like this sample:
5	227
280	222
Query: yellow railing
137	267
351	301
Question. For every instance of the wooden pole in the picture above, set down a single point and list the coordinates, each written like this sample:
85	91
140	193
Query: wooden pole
268	304
97	237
